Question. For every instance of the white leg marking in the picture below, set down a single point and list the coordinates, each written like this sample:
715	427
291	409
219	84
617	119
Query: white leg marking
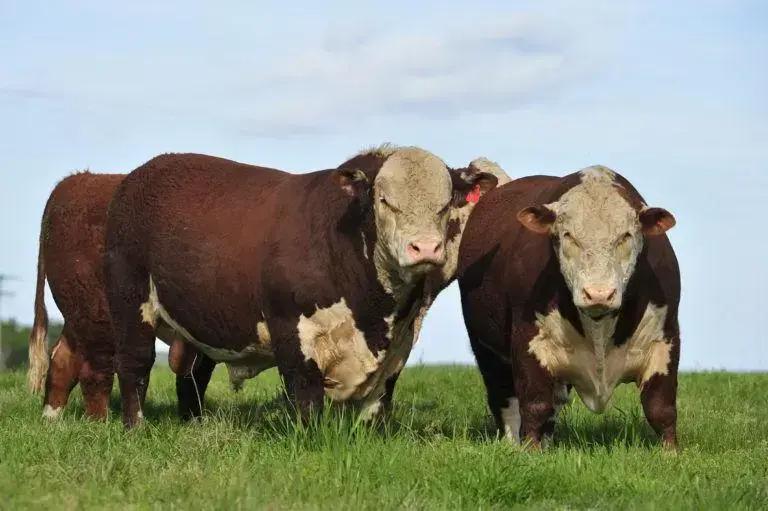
370	410
510	416
51	413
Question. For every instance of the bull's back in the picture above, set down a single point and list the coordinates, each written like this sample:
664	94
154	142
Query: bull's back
73	237
197	225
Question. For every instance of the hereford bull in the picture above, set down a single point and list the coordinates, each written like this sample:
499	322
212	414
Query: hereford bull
322	274
578	285
70	256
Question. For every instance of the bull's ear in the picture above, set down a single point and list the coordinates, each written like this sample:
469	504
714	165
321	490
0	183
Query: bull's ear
538	219
470	184
656	221
353	182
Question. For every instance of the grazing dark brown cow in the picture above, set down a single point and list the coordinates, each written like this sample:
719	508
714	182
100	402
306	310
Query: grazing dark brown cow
71	257
576	284
322	274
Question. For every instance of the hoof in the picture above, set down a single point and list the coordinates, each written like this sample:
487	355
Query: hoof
50	413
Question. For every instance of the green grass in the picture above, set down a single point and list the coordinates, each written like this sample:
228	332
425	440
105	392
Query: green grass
437	452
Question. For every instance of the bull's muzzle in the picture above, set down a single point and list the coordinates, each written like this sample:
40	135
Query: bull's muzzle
597	301
425	252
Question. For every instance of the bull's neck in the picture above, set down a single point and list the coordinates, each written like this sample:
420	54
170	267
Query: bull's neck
395	281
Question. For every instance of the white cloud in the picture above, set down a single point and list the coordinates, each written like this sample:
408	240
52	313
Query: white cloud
443	72
349	72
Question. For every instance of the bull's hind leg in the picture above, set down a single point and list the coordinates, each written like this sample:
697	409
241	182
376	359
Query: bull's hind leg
302	378
191	387
128	292
502	400
62	375
97	374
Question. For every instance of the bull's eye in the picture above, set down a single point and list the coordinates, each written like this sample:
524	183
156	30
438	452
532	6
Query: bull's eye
571	246
384	201
624	239
623	244
568	238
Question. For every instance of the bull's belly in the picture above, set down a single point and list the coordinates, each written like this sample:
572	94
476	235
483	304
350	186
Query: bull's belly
329	337
592	363
241	364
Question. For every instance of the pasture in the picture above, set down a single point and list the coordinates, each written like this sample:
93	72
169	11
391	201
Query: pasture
436	452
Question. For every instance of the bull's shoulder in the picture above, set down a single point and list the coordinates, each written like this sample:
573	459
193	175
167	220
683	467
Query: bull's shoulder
659	276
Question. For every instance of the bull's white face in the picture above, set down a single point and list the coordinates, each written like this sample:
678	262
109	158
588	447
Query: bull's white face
412	196
598	237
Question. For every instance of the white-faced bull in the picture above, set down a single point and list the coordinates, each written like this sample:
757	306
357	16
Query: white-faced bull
326	275
577	285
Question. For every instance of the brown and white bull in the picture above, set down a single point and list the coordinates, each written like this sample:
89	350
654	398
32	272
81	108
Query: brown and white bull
70	257
323	274
577	285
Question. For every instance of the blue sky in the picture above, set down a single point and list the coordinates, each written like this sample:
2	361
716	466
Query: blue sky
670	94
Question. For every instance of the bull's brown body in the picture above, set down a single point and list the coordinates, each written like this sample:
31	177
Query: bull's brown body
240	259
510	279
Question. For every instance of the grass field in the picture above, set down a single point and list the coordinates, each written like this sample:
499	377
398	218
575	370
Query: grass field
436	452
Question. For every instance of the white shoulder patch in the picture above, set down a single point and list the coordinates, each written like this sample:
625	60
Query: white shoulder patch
331	338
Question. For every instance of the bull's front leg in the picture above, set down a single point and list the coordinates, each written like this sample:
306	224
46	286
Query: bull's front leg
302	378
659	398
383	406
536	390
377	407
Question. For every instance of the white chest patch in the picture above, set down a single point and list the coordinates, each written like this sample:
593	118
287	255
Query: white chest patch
592	363
331	338
244	364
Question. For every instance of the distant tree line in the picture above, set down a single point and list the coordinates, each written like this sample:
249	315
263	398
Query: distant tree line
15	342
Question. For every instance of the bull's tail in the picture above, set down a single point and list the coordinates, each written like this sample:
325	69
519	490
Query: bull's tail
38	343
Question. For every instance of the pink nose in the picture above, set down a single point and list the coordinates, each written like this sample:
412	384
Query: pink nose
594	295
425	252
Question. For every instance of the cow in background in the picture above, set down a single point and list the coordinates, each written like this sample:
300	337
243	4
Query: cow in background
70	256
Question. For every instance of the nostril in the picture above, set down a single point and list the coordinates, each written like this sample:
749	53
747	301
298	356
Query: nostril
612	294
586	294
438	247
414	247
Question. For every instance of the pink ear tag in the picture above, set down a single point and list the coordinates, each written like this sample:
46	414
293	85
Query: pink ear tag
474	195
